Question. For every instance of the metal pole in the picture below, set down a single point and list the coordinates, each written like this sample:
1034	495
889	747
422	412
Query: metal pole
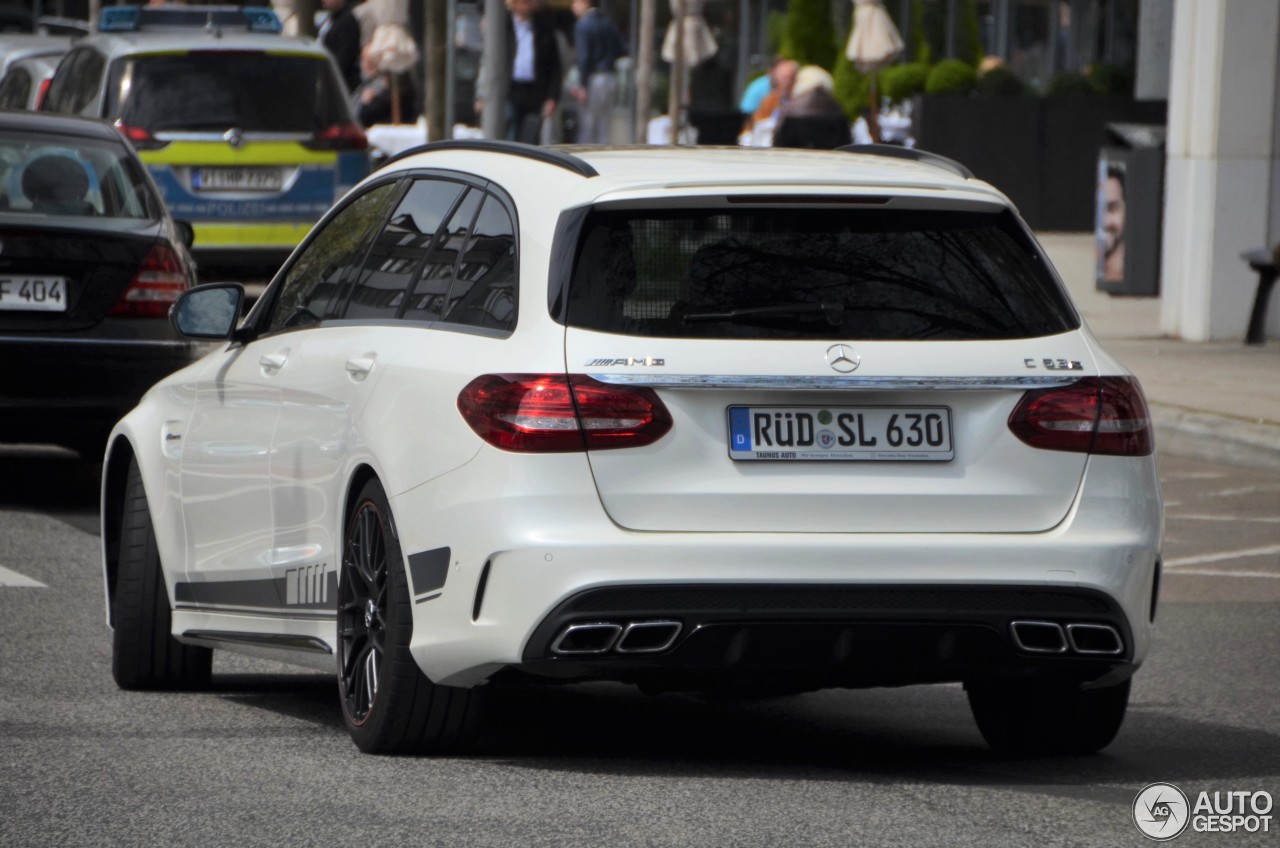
450	69
675	94
644	70
494	68
435	35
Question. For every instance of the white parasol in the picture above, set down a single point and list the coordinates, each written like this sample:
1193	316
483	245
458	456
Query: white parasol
873	44
688	43
697	44
395	54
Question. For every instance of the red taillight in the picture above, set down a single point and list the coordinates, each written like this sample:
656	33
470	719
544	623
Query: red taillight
1102	415
159	281
41	92
140	137
339	137
555	413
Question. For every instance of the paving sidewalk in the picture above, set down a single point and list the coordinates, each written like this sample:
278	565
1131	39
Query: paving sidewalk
1212	400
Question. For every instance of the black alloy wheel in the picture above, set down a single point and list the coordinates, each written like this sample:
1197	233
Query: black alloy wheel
389	705
362	611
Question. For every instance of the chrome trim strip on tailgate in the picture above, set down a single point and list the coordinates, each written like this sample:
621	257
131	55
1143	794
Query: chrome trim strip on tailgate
854	384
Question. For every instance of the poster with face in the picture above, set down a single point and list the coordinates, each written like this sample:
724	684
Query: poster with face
1110	220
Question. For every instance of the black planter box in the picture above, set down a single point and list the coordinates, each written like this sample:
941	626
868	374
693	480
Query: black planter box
1041	151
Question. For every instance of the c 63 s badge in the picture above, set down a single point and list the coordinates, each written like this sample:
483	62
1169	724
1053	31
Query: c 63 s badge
1053	364
627	360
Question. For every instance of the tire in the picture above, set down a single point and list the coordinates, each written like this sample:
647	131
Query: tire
144	654
388	704
1033	717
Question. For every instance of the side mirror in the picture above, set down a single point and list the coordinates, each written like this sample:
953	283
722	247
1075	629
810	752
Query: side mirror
208	312
186	233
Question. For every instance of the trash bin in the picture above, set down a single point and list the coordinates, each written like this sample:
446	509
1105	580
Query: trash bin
1130	206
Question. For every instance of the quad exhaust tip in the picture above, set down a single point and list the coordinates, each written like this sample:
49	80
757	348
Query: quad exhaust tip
1048	637
601	637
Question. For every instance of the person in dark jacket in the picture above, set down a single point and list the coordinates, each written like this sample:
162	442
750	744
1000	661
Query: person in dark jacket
813	118
532	69
340	35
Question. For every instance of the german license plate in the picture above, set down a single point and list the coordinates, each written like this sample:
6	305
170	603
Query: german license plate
237	179
840	433
33	294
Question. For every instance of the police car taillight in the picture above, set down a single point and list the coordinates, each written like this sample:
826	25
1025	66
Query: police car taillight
140	137
339	137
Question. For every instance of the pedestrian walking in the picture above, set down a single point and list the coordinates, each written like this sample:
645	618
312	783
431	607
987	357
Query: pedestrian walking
340	35
598	46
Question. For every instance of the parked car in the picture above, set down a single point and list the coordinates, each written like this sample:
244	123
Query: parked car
90	262
26	81
247	132
15	47
715	420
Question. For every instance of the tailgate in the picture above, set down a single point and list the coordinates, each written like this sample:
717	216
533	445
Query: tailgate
915	440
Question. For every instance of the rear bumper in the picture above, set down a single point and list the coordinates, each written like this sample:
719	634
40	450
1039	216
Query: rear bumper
519	569
809	636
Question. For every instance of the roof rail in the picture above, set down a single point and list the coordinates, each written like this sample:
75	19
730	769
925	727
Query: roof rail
546	155
915	154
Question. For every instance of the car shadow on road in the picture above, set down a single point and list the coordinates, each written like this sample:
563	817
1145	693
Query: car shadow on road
52	480
915	733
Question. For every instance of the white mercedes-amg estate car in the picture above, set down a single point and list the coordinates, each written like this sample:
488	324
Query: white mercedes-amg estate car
704	420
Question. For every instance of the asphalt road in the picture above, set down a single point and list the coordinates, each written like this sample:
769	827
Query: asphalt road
262	758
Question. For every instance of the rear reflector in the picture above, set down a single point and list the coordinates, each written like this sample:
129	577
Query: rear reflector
558	413
159	281
1101	415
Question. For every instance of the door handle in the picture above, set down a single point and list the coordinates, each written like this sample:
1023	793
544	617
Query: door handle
360	366
274	361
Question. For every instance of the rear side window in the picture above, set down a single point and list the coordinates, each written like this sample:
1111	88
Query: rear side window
396	256
217	89
75	84
830	273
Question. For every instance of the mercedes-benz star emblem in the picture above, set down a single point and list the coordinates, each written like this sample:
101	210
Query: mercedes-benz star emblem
843	358
233	137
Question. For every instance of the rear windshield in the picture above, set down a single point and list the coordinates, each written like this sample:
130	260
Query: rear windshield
830	273
218	90
72	175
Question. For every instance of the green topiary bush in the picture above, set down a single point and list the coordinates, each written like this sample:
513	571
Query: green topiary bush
809	36
902	82
1111	79
852	88
1070	84
950	76
1000	82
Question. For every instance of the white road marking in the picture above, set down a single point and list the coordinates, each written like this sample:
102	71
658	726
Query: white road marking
14	579
1197	475
1210	572
1243	490
1221	557
1233	518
